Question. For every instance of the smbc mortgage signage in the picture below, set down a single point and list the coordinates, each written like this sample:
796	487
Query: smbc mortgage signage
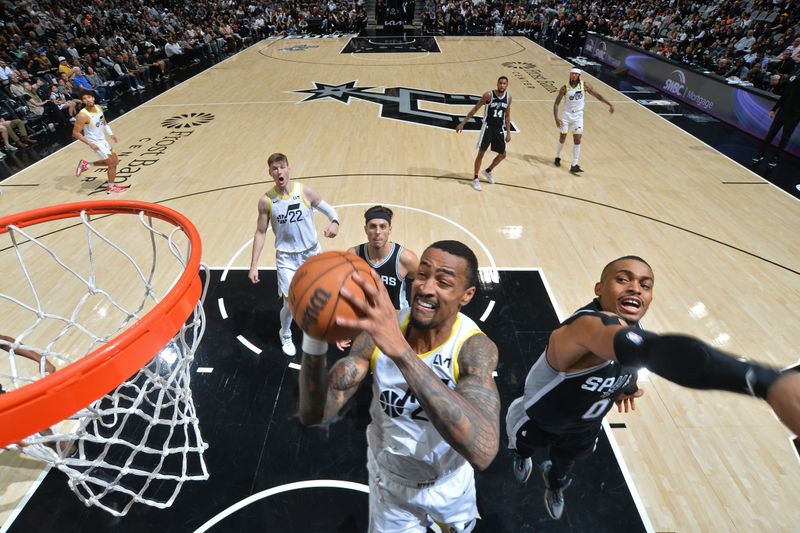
744	108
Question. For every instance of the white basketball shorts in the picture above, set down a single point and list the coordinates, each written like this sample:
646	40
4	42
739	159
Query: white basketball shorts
399	508
287	263
571	122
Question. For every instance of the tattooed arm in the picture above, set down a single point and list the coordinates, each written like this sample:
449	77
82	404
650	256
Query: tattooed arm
321	398
468	417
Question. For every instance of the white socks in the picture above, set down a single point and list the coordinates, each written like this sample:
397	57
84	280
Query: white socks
286	317
559	147
576	152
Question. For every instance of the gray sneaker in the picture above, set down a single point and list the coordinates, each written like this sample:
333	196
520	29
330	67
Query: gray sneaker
523	466
553	497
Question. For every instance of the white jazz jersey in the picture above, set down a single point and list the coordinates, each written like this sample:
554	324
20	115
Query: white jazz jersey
401	437
575	99
95	129
292	219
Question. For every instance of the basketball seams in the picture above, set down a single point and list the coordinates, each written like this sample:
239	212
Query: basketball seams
312	282
338	266
354	265
342	283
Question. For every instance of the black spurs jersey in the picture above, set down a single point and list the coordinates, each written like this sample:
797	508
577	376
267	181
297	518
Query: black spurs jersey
389	271
496	111
561	402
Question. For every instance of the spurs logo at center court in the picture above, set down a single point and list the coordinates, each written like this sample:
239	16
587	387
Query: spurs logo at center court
403	103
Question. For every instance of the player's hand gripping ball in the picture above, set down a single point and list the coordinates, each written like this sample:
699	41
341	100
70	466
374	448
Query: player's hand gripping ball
314	294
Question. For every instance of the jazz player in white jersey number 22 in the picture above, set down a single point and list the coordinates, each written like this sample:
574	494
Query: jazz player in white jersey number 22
435	407
91	129
289	207
572	119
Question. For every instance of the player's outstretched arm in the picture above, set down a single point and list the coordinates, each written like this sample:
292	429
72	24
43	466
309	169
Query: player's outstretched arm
322	393
468	417
508	120
559	97
325	208
590	90
679	358
262	223
409	264
486	98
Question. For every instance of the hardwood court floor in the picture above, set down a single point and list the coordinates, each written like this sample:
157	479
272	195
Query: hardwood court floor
374	129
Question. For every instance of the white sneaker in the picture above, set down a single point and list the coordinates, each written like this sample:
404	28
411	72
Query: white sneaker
287	346
476	184
488	176
11	148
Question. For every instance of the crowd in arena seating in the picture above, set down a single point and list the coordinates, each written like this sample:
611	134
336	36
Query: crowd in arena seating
51	49
754	41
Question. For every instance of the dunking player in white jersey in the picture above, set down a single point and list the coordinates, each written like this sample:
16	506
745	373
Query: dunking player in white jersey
572	119
289	207
496	130
435	408
91	129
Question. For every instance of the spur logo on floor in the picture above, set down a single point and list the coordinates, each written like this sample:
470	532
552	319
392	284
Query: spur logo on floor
187	120
402	103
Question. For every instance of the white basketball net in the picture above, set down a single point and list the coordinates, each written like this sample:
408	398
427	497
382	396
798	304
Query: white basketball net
141	442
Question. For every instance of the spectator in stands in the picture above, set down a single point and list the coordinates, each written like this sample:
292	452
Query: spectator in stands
783	64
63	65
62	103
744	44
777	84
5	72
20	136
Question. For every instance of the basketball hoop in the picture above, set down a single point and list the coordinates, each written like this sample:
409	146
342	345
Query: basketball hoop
122	338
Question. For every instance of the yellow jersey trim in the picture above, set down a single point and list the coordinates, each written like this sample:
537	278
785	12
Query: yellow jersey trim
287	196
404	327
303	196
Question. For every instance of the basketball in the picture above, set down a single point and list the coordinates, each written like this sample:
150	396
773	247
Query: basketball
314	297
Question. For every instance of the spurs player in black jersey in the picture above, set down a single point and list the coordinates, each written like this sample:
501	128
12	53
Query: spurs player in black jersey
590	363
393	262
496	130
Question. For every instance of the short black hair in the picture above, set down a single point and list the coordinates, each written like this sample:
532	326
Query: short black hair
378	211
623	258
88	92
502	78
460	249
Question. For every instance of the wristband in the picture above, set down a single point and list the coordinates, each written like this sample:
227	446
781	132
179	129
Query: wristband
313	346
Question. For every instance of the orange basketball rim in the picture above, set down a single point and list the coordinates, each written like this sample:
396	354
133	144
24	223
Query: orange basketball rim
54	397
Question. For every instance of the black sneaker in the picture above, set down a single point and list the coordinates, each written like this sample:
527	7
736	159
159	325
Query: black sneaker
757	159
773	163
557	161
575	169
553	497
